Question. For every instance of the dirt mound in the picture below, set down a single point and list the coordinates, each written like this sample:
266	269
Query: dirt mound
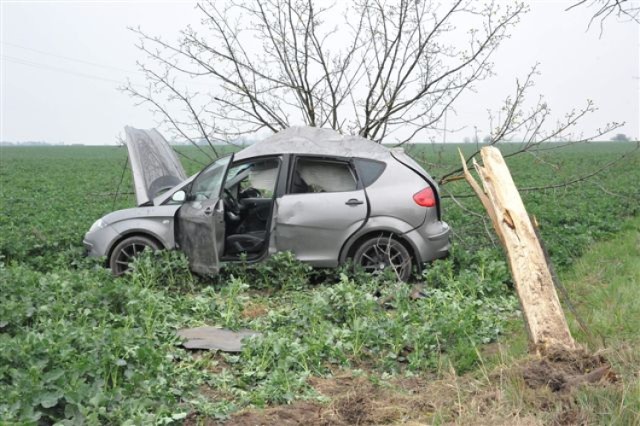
560	370
543	386
354	401
298	413
357	401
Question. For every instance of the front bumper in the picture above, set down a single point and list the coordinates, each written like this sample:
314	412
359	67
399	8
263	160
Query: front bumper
88	248
98	242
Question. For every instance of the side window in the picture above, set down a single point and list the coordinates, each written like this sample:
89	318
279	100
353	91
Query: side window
207	184
312	175
369	170
254	179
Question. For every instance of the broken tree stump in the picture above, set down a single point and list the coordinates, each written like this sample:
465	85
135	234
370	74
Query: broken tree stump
545	321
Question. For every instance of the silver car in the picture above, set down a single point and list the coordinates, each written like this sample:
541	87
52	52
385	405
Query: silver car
326	197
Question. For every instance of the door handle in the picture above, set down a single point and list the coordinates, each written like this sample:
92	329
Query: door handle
208	211
354	202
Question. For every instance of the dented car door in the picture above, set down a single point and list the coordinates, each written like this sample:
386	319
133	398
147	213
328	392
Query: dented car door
200	227
324	205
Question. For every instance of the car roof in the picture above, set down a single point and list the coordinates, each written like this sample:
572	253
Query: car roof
315	141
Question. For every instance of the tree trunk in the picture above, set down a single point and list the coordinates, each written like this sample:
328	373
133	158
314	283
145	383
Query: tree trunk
544	318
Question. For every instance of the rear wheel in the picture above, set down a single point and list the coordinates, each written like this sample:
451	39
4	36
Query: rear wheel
379	253
126	250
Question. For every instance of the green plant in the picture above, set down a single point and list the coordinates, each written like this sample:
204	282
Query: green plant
78	345
228	303
282	271
167	269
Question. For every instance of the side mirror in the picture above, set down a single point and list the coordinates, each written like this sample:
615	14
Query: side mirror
179	196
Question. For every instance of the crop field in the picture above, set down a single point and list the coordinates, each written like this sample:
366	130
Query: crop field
79	346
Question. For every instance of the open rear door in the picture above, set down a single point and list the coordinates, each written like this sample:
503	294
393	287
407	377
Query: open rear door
200	229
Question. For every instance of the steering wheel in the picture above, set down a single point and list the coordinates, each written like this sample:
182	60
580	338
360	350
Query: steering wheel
250	193
232	205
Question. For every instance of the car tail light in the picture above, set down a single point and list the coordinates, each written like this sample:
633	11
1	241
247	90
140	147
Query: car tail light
425	198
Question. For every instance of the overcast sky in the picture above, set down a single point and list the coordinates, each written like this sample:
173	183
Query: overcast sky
63	61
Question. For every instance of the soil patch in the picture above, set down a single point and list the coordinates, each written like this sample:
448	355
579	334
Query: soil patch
561	369
253	310
547	384
357	401
298	413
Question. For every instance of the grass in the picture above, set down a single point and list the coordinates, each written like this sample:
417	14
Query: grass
79	345
603	286
604	283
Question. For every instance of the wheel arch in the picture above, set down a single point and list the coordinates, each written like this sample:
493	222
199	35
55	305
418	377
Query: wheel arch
351	245
134	233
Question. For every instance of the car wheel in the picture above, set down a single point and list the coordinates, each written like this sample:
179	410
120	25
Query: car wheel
124	253
379	253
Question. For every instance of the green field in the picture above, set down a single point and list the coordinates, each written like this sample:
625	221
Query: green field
80	345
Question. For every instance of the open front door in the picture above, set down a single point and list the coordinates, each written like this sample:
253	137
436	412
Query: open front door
200	223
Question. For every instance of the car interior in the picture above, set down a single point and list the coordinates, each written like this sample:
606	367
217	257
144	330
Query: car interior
248	198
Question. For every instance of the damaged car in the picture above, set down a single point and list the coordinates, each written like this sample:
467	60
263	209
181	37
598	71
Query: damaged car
327	198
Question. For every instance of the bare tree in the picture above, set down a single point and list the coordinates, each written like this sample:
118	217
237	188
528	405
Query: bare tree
531	127
385	69
629	9
531	123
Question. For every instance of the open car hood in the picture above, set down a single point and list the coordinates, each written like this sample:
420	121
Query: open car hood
154	164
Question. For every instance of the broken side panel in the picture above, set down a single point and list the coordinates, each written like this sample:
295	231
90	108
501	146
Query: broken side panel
314	226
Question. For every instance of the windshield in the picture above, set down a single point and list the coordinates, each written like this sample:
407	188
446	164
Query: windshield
207	184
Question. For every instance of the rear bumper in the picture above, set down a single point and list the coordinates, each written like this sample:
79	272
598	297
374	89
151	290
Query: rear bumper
431	241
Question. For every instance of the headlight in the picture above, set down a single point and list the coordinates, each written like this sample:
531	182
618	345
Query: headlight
98	224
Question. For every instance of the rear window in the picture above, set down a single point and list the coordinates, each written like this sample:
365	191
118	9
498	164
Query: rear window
369	170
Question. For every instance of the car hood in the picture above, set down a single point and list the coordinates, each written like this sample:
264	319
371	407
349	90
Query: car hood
139	213
154	163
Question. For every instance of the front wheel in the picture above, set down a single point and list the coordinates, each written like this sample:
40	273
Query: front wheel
124	253
379	253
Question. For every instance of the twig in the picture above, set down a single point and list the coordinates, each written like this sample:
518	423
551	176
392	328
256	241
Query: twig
570	182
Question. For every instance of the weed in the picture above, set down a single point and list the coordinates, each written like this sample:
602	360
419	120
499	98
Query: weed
166	269
280	272
80	346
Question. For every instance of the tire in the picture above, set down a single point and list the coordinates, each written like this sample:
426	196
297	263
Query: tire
127	249
379	253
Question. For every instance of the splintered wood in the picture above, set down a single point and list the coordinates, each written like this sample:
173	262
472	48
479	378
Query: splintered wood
544	318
